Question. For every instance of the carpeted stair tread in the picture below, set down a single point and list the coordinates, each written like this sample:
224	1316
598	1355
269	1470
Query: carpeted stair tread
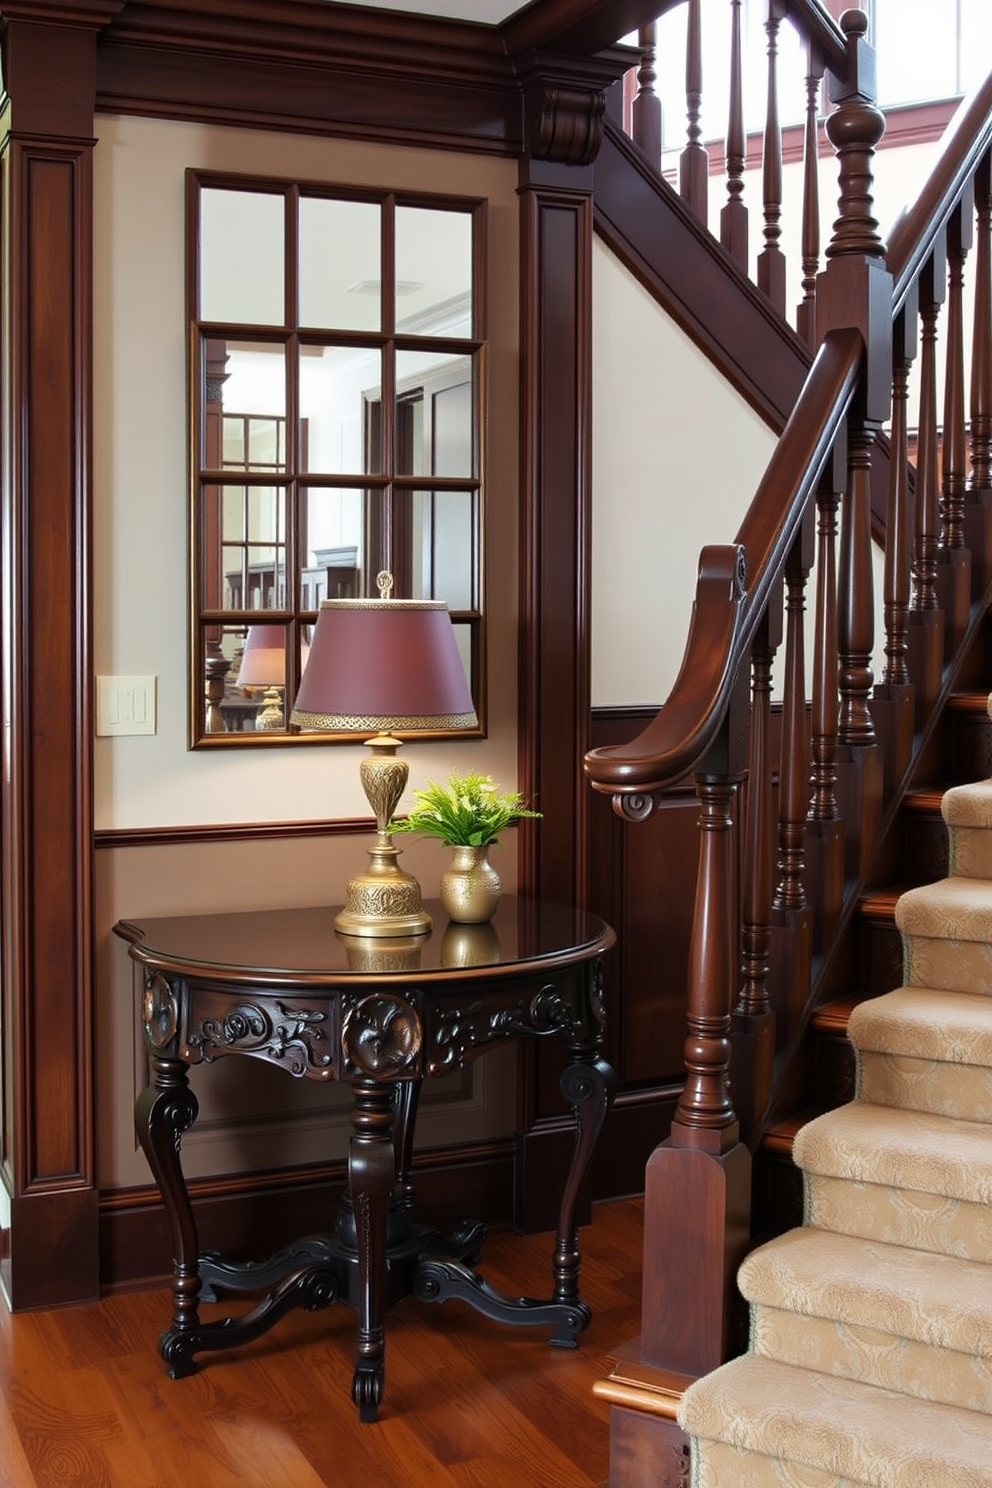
951	909
921	1023
900	1149
909	1294
968	805
857	1431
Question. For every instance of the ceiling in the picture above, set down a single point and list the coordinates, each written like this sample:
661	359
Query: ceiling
491	12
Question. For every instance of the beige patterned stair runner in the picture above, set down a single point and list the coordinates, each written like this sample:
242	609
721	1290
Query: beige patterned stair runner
870	1359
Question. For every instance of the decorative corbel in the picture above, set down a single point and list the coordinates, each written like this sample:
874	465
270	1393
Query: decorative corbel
565	103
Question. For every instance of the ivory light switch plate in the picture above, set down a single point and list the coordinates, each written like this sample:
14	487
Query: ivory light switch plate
125	705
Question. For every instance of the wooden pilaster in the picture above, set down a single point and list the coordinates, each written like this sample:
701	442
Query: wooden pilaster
46	805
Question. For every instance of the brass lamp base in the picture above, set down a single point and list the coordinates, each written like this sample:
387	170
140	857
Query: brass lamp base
270	716
383	900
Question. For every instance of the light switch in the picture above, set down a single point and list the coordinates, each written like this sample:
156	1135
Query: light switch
125	705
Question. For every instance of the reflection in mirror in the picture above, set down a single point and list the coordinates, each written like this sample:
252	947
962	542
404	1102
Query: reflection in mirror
333	382
429	303
337	416
340	255
248	683
242	248
334	567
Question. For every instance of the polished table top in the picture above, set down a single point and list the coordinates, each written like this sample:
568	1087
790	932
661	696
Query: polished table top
300	946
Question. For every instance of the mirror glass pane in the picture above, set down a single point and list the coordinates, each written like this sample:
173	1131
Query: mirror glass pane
434	415
443	544
245	409
333	563
433	272
242	257
245	526
340	264
341	424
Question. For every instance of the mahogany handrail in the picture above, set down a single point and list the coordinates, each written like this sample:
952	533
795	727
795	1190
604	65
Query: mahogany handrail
966	139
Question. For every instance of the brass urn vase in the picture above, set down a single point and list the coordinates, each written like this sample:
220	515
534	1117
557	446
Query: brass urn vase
470	887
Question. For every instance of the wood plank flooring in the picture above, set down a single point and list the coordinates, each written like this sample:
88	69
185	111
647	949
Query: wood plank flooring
85	1401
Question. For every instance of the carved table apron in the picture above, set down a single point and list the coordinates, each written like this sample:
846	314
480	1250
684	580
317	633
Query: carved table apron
283	986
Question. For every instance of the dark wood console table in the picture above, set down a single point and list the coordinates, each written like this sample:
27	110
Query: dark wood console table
282	986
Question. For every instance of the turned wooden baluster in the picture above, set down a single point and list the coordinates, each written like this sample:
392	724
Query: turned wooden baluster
733	218
753	1022
806	313
893	704
771	262
860	777
825	710
646	109
856	624
977	523
925	543
926	618
954	562
981	349
793	793
791	918
898	518
694	166
705	1104
759	831
824	829
953	443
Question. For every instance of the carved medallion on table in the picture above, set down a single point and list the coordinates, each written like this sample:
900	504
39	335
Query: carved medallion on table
159	1011
382	1037
293	1037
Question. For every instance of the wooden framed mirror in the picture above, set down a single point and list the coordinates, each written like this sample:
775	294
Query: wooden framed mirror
337	388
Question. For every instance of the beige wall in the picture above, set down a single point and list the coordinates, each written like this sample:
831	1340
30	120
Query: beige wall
140	472
251	1116
661	491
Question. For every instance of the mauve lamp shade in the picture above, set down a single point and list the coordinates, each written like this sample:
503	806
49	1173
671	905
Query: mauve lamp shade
381	664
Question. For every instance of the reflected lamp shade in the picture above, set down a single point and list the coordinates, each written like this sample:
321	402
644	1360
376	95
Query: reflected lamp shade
263	664
377	665
263	661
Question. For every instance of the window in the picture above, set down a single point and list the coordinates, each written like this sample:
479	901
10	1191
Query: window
337	383
929	49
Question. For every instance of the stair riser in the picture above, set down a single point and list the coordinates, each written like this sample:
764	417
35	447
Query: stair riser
970	853
717	1465
961	1091
900	1217
873	1357
948	965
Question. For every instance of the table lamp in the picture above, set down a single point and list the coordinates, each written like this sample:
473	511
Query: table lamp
263	664
378	665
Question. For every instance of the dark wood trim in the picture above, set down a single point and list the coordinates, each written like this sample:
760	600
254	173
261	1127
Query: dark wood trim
311	96
46	804
113	837
556	350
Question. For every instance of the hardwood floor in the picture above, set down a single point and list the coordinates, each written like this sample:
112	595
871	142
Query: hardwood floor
85	1401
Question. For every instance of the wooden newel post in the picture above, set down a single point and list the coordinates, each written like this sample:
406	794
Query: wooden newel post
855	288
698	1182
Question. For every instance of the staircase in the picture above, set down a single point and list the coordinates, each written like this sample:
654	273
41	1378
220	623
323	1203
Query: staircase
805	813
870	1358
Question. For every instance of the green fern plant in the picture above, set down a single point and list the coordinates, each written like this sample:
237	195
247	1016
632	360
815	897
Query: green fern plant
470	811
